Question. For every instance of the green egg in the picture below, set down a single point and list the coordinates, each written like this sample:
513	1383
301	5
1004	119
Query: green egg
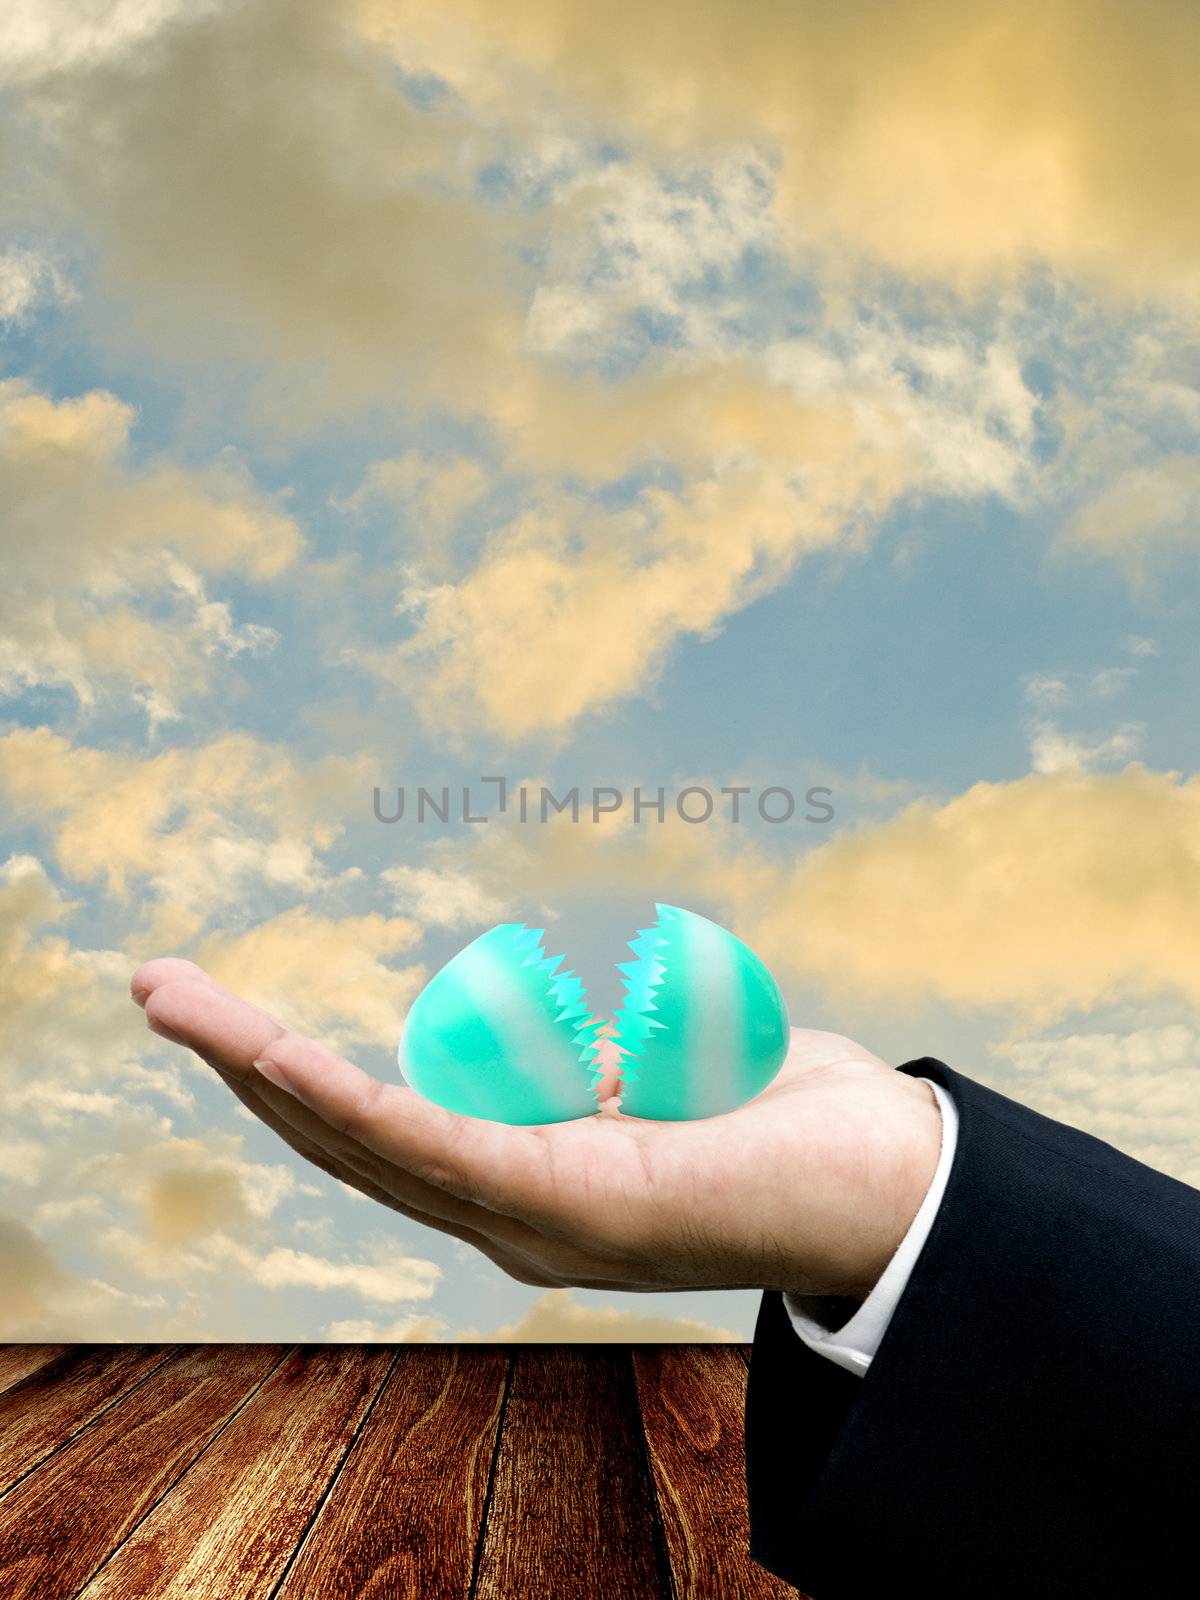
501	1033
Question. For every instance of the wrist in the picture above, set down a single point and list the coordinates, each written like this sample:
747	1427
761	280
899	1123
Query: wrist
897	1172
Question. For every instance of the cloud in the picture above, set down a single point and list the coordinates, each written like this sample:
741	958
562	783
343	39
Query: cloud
195	1192
324	976
22	1161
1146	506
184	1191
189	833
432	496
1046	690
41	35
405	1330
754	447
263	189
185	1203
528	869
396	1277
633	248
28	279
573	606
1046	893
734	466
1052	750
442	897
1139	1090
956	147
214	622
597	313
62	1006
89	538
556	1317
33	1279
89	1152
45	1303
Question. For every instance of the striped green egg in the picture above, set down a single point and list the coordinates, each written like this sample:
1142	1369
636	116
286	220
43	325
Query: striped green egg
704	1022
500	1033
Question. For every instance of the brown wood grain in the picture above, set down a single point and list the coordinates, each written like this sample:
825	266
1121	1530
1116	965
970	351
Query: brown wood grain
229	1527
65	1519
51	1404
248	1473
17	1361
692	1401
402	1521
571	1513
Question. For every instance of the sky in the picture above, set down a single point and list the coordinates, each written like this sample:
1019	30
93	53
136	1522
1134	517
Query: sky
403	394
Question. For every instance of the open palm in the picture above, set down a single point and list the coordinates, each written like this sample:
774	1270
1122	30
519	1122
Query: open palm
808	1187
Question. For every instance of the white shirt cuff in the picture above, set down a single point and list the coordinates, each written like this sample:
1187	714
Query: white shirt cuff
854	1344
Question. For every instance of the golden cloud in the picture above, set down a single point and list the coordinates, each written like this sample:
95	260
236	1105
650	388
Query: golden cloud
196	829
33	1281
44	1302
393	1278
404	1330
557	1318
328	977
254	169
571	607
1139	1090
955	145
432	494
1056	890
87	531
1053	891
375	257
1144	505
60	1004
186	1203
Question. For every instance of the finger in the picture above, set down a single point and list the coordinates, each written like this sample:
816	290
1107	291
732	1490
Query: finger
491	1164
224	1029
257	1102
230	1033
339	1103
502	1173
295	1138
340	1168
153	974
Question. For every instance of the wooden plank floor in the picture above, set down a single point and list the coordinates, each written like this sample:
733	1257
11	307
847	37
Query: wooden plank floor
345	1472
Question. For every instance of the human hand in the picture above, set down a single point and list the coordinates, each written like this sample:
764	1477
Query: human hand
809	1187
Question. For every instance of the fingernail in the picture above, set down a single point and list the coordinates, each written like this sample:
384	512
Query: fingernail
272	1074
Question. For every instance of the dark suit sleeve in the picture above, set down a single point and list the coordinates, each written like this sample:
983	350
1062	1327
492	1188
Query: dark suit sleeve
1030	1424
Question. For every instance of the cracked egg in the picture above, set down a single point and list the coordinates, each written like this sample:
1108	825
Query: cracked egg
501	1032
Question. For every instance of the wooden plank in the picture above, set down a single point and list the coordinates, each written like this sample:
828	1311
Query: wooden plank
693	1406
17	1361
402	1521
230	1526
66	1518
51	1405
572	1508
